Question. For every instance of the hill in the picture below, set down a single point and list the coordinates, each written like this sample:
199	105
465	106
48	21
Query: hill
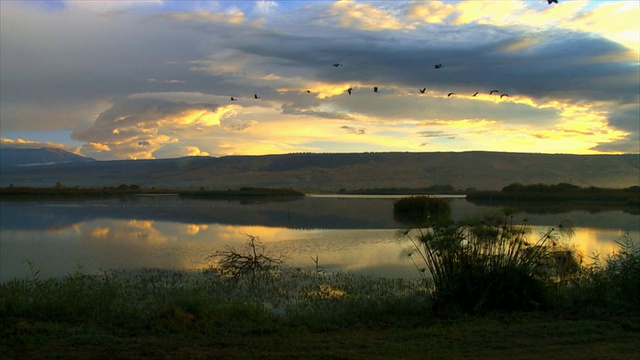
332	172
11	157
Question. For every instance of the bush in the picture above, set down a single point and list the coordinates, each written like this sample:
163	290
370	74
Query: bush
489	264
421	210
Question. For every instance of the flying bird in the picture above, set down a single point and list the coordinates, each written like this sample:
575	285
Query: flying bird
255	96
349	90
476	93
233	99
337	64
438	66
375	89
503	95
449	94
552	1
493	91
422	90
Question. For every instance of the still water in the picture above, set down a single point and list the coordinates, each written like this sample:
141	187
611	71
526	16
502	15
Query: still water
354	234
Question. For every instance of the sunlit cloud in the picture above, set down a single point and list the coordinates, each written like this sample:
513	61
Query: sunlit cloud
29	144
351	14
616	21
231	16
431	12
194	229
569	69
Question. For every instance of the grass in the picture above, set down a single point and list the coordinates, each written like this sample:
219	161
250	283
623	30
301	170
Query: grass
277	312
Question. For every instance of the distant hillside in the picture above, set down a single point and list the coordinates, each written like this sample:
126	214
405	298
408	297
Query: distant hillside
10	157
332	172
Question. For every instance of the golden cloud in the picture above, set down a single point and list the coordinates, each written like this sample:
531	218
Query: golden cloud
431	12
364	16
234	16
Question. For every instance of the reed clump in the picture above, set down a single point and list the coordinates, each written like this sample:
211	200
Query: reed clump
490	264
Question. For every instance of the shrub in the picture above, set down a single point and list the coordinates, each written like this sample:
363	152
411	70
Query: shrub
488	264
251	262
421	210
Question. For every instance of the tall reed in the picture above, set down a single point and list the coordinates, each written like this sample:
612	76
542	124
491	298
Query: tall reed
488	263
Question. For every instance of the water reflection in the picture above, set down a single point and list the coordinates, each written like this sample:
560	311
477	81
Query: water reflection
357	235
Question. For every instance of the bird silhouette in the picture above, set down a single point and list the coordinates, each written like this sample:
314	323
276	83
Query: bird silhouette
349	90
476	93
423	90
337	64
493	91
503	95
255	96
552	1
375	89
449	94
308	91
233	99
438	66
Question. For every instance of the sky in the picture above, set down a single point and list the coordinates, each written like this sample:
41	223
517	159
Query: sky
155	79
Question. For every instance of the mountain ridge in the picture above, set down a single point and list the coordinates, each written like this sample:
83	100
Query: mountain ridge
14	157
332	172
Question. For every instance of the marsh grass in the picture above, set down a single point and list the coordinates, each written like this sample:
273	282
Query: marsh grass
173	301
490	263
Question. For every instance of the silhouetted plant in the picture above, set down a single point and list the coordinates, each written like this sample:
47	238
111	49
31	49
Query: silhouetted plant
614	282
488	264
248	263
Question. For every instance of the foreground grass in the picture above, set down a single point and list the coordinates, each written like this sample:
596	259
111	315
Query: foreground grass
523	336
283	315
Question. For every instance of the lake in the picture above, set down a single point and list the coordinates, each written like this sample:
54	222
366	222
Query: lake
357	234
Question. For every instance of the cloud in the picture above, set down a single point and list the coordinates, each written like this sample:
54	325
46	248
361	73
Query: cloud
263	7
435	133
140	124
351	14
29	144
155	80
353	130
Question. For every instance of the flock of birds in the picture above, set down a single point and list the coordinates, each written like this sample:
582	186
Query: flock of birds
422	91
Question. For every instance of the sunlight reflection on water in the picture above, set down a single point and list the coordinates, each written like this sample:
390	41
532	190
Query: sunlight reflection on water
96	236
